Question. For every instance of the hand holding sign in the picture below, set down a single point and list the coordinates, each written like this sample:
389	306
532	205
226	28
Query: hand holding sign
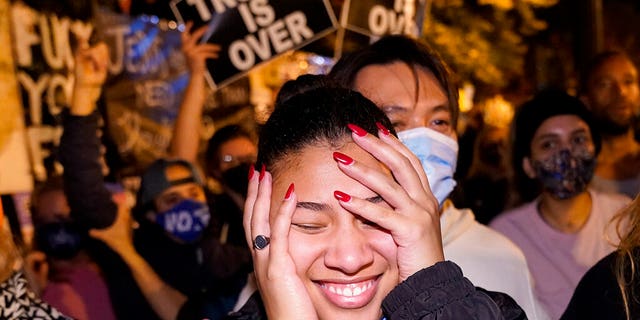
196	53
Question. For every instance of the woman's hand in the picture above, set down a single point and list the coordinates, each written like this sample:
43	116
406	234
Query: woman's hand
283	293
414	219
119	235
197	54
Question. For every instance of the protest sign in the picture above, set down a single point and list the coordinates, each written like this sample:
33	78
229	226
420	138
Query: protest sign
382	17
44	63
254	31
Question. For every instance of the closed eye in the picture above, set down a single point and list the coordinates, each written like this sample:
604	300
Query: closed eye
308	228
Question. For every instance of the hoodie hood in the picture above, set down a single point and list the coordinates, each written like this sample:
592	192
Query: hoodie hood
454	222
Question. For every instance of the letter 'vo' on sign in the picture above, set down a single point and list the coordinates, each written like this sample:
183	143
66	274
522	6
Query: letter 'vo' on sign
254	31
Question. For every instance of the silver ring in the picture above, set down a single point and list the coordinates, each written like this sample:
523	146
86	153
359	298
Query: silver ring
261	242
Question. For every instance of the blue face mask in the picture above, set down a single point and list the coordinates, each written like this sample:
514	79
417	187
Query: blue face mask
438	155
185	221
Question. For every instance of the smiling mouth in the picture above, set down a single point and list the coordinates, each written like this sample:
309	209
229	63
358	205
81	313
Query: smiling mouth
348	290
349	294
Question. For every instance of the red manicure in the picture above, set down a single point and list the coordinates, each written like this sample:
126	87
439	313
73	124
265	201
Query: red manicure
342	158
289	192
357	130
382	128
252	170
262	170
341	196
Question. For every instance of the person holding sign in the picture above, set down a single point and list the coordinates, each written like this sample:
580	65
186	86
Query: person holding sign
170	253
342	221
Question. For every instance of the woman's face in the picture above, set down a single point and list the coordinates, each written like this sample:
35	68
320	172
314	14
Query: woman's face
347	264
563	132
562	156
393	88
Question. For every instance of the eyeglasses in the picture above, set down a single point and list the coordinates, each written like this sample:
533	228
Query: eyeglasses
234	160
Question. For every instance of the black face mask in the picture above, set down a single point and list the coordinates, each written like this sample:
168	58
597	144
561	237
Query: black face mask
61	240
236	178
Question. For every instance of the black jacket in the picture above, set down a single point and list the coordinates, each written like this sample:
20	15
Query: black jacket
597	295
437	292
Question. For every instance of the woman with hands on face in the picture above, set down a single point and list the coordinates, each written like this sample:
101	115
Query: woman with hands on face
342	222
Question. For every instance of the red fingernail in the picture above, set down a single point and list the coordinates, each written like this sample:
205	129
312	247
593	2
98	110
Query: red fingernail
382	128
342	158
289	192
342	196
262	171
252	170
357	130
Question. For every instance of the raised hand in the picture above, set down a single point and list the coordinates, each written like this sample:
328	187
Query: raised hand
118	236
91	65
413	219
197	53
283	293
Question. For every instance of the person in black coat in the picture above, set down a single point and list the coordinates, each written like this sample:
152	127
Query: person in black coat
611	288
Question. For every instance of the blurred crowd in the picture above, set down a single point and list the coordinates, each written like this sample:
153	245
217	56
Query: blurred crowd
544	209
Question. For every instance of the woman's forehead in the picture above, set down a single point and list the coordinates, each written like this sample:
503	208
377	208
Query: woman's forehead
315	167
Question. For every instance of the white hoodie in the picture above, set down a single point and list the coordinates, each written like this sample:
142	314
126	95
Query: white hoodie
487	258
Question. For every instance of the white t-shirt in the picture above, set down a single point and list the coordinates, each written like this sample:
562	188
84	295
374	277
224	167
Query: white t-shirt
558	260
487	258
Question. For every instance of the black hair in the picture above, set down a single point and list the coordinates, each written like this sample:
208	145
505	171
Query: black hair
397	48
595	63
315	113
221	136
527	120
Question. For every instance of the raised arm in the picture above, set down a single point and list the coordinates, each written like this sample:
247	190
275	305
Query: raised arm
90	201
164	299
184	144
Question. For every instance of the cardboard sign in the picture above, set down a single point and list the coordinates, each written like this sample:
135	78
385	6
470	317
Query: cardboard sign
381	17
254	31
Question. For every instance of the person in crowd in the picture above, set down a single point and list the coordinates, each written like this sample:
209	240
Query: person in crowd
62	267
343	224
171	255
414	88
18	300
563	230
609	290
229	153
612	94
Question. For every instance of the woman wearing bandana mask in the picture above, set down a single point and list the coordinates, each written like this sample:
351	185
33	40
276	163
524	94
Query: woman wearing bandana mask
564	228
413	87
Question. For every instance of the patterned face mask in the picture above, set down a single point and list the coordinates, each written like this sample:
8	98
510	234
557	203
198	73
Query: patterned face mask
565	174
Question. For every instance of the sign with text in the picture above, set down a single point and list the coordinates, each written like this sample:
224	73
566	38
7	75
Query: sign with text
42	47
254	31
382	17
